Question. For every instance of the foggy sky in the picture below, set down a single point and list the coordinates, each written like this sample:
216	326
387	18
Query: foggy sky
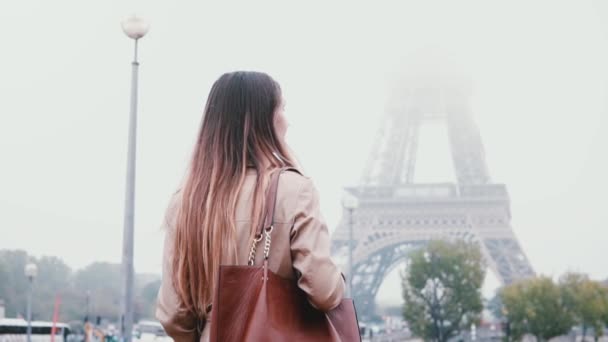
538	68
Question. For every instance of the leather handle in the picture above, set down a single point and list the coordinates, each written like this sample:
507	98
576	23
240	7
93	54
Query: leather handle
271	198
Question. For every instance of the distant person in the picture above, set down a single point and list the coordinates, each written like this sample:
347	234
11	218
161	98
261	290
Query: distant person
212	218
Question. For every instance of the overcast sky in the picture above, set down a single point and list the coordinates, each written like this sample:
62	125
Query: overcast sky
538	69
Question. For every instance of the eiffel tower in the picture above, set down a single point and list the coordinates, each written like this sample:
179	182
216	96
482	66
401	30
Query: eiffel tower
396	215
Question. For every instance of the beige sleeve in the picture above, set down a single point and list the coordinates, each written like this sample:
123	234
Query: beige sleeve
179	323
318	276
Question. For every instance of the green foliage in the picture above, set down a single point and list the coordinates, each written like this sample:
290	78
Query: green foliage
4	274
442	289
605	316
536	306
15	283
55	278
146	300
587	300
103	281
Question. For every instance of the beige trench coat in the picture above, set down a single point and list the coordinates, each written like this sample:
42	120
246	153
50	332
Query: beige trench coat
300	250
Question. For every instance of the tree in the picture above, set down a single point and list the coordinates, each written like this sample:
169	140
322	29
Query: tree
536	306
587	300
53	279
442	289
4	279
15	290
604	284
147	299
103	281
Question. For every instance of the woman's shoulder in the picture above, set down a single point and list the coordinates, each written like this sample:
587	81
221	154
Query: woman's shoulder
296	193
293	181
291	184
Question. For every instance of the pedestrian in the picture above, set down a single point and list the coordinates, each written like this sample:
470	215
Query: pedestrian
213	217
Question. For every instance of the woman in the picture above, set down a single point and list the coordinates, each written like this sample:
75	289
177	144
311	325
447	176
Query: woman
212	219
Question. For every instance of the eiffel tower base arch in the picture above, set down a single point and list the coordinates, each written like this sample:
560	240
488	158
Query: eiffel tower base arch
391	223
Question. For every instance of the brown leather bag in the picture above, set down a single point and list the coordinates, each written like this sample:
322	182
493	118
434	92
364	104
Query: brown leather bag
251	303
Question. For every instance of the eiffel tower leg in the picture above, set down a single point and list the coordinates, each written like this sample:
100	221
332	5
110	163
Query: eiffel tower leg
366	276
467	150
507	259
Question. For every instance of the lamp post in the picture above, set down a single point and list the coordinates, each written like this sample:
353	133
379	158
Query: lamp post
135	28
31	271
350	203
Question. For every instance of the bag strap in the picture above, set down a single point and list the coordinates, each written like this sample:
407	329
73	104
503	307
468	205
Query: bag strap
271	199
266	228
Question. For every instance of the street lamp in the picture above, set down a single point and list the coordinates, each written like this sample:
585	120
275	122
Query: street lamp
31	271
350	203
135	28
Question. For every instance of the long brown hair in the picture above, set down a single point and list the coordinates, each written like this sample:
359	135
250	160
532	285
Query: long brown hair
237	132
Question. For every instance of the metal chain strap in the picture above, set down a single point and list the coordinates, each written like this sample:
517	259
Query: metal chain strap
267	242
254	243
252	251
